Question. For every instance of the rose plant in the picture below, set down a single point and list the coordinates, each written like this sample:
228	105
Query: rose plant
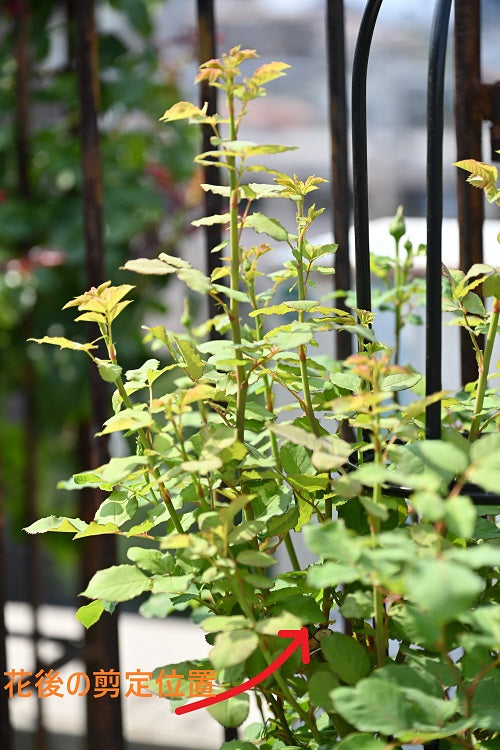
401	603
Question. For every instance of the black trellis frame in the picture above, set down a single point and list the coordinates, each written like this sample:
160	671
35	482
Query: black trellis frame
434	212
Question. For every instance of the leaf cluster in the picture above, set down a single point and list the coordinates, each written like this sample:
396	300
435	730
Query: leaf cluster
217	476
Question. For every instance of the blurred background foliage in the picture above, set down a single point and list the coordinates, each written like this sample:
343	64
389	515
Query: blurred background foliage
150	192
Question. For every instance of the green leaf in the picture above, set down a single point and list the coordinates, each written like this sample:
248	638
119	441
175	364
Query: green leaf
117	584
277	525
258	581
255	558
185	111
148	267
322	682
141	374
56	523
64	343
376	705
332	574
286	338
491	286
478	556
233	647
296	435
194	363
399	381
486	704
444	459
231	293
264	225
268	72
231	712
127	419
248	148
347	380
169	584
108	371
209	221
283	621
460	516
151	560
90	613
157	605
305	607
429	578
203	466
332	539
295	459
119	508
346	657
96	529
220	623
361	742
238	745
119	469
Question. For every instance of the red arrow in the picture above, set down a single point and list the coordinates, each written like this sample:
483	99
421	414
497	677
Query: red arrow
300	639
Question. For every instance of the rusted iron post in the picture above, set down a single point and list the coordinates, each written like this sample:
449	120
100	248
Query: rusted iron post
207	49
341	192
5	729
21	128
468	119
104	719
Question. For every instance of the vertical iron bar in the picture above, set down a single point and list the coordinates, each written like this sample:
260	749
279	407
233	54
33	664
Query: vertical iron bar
335	34
21	126
104	719
359	154
5	729
435	127
207	49
21	113
468	123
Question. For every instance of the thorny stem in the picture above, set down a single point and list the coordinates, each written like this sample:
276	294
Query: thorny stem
303	349
308	720
378	602
234	308
280	716
142	435
268	392
397	318
484	366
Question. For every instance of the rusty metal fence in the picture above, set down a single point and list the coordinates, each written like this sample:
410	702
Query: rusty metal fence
475	102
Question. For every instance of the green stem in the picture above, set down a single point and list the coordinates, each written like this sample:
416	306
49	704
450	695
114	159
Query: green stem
277	708
144	441
234	307
308	720
303	349
268	392
378	601
484	370
291	552
397	319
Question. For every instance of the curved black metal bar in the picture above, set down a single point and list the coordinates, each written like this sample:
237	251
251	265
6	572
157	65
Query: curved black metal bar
341	192
435	126
359	154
